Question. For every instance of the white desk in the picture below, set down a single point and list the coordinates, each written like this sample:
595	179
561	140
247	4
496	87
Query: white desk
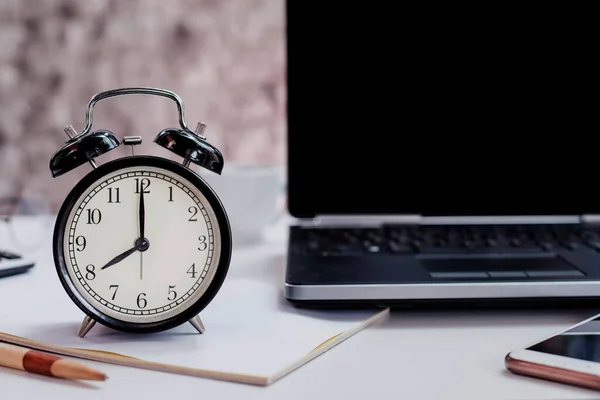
413	355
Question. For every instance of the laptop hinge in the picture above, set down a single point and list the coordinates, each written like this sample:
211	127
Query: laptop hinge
359	220
378	220
504	219
590	219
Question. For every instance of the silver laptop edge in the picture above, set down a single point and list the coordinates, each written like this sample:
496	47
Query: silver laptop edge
462	290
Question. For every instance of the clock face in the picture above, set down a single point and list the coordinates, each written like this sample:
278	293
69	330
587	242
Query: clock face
141	244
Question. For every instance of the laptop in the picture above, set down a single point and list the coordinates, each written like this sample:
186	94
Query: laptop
441	157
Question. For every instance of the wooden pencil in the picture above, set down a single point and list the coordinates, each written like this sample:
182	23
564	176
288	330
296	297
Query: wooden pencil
37	362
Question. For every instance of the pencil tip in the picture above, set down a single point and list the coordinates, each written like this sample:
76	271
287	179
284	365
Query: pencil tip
99	376
69	369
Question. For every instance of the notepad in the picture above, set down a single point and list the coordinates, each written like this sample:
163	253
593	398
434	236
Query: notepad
253	335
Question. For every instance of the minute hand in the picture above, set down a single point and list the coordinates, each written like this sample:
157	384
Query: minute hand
120	257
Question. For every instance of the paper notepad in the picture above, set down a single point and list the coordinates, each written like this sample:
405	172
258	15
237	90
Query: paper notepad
252	334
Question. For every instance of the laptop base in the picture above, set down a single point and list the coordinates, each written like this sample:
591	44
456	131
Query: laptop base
483	266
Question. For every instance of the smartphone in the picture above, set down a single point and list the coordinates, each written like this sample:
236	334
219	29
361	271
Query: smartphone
571	356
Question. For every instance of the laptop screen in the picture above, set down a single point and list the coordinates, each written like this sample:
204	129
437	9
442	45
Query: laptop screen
441	112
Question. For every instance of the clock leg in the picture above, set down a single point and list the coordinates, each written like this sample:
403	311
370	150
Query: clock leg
86	325
197	323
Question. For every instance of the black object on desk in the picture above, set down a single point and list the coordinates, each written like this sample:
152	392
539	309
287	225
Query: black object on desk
438	160
13	264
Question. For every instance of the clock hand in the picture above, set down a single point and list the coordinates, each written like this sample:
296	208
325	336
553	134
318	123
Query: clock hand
142	216
121	257
142	213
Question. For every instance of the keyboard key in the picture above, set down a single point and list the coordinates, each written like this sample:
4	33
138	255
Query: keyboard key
459	275
571	246
594	245
443	250
571	273
401	248
507	274
546	246
373	248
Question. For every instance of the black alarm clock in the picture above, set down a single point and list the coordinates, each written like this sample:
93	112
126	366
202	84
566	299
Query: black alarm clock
141	244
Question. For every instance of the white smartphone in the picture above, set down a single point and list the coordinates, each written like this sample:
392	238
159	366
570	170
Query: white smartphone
571	356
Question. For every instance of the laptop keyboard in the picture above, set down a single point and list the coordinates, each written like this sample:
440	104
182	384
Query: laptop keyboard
443	240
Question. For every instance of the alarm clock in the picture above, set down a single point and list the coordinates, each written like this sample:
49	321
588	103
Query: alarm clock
142	243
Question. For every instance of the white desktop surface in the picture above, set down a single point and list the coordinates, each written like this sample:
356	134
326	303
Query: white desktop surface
412	355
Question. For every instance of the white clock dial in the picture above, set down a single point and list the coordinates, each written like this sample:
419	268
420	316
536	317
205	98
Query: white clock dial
145	282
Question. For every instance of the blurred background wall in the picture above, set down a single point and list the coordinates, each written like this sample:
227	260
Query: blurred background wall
225	58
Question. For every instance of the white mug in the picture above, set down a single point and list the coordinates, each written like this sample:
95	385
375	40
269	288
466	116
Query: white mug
252	196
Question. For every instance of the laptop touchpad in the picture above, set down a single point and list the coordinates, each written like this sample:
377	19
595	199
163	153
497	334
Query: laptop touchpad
486	268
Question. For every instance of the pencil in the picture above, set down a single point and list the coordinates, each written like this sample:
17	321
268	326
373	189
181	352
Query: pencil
37	362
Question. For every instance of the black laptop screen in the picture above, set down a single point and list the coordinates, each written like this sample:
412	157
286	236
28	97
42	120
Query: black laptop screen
441	112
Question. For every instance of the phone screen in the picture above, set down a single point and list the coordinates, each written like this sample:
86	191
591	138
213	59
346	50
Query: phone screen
580	342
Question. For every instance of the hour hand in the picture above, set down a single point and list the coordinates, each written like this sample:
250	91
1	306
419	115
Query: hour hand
120	257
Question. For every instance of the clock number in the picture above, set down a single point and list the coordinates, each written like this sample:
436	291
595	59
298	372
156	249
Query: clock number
202	245
80	242
192	270
94	216
170	193
193	210
141	301
144	182
116	195
172	293
116	287
90	275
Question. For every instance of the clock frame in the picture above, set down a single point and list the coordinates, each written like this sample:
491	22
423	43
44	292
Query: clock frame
189	314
